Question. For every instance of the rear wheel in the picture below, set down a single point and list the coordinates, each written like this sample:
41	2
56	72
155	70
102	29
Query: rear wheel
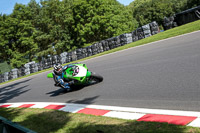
96	77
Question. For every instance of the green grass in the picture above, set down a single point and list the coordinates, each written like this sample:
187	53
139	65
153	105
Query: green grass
53	121
187	28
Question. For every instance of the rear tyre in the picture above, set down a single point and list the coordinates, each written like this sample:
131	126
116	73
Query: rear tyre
96	77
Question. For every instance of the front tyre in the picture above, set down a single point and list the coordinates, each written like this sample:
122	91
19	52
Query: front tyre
96	77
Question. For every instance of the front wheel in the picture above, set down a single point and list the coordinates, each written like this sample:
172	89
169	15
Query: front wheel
96	77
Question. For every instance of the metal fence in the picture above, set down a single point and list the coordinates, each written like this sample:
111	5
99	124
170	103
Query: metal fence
7	126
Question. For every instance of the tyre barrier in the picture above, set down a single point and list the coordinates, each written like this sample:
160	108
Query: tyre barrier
146	30
154	28
181	18
140	33
66	57
169	23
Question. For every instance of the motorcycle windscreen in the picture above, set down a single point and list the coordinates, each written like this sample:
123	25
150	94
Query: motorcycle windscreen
50	75
82	72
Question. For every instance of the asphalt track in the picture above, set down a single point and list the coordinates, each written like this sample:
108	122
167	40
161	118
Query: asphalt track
160	75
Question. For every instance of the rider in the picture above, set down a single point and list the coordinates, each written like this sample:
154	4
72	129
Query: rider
59	76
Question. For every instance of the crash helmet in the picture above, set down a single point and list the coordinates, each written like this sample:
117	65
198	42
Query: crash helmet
58	68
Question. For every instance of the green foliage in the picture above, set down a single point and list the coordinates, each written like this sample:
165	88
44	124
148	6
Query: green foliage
53	27
146	11
192	3
95	20
36	30
16	40
4	67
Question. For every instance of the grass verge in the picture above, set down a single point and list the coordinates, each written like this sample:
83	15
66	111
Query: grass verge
187	28
53	121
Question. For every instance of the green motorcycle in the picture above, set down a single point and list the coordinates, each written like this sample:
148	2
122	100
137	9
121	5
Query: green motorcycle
81	74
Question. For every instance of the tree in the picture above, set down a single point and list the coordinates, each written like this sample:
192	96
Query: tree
16	36
50	27
151	10
95	20
146	11
53	24
192	3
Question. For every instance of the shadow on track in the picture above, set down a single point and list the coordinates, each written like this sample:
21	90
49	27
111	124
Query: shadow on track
62	91
89	100
10	91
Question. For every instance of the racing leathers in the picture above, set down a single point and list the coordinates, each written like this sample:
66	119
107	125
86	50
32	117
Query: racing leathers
58	78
